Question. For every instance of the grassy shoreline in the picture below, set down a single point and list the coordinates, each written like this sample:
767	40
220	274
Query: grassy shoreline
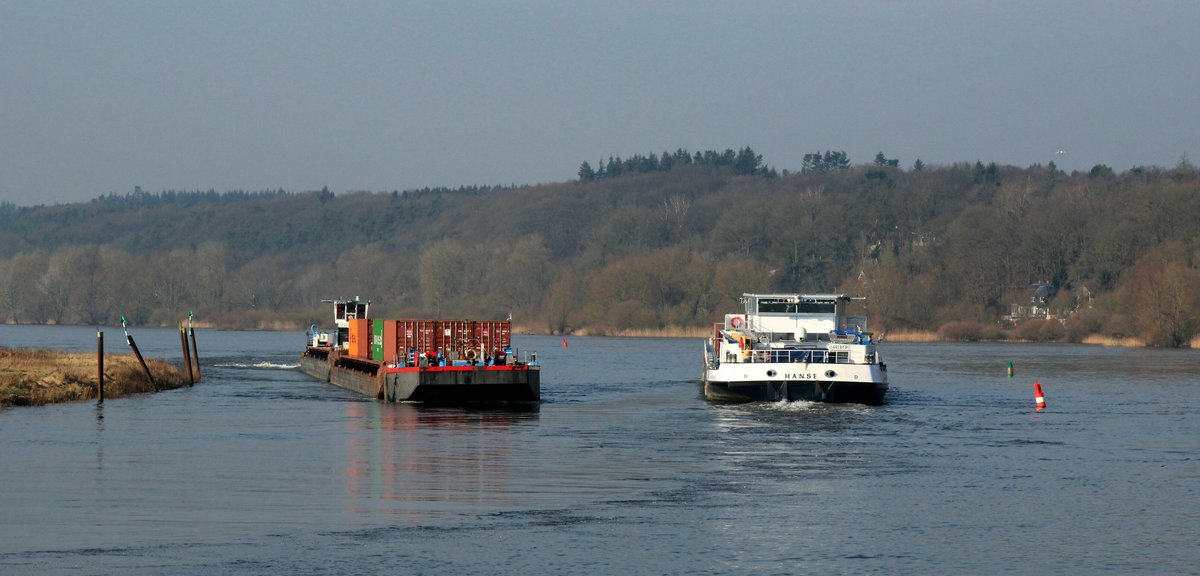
36	377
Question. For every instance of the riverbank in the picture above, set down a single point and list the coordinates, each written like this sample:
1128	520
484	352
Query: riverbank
32	377
932	337
903	336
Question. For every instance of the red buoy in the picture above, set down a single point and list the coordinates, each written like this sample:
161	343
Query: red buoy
1038	397
564	342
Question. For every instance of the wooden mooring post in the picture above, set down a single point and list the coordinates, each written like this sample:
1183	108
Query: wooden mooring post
187	356
142	361
195	351
99	366
136	352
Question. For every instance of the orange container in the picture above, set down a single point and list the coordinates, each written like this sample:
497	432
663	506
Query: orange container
360	338
389	342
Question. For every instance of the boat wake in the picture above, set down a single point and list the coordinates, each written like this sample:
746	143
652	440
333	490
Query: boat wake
258	365
792	406
796	406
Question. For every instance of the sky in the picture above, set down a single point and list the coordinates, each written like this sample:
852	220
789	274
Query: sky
103	97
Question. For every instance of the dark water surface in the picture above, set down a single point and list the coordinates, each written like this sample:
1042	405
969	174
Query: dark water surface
624	469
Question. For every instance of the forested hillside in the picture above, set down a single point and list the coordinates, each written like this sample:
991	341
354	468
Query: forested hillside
650	246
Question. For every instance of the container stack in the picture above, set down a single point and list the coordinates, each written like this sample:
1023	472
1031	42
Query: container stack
396	341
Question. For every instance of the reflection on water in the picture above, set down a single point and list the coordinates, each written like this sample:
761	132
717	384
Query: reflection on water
426	456
99	437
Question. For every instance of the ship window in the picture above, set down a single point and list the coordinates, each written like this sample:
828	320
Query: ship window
817	307
805	307
768	306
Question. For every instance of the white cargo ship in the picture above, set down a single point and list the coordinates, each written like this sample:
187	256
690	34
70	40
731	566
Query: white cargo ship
793	347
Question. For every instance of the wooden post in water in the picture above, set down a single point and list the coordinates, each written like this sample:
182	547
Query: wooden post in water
187	356
195	351
141	361
100	366
146	369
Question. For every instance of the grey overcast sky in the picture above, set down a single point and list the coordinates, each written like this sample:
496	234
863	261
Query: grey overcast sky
99	97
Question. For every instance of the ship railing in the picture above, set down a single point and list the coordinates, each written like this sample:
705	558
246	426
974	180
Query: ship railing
797	356
710	355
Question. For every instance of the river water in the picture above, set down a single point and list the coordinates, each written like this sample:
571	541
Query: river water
624	469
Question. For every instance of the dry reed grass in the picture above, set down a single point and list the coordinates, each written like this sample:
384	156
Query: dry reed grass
280	325
30	377
1101	340
905	336
668	332
911	336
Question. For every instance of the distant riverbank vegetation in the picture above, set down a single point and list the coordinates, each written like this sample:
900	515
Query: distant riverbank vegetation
650	244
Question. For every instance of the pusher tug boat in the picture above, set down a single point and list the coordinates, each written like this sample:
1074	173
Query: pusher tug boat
793	347
430	361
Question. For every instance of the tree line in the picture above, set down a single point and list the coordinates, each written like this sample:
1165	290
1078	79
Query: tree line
744	162
932	247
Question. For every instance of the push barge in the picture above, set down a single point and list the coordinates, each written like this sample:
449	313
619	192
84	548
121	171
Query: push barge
429	361
793	347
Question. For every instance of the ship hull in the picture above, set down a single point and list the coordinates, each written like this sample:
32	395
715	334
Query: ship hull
431	385
842	383
463	385
315	363
794	391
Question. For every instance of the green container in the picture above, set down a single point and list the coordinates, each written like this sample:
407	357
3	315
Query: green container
377	341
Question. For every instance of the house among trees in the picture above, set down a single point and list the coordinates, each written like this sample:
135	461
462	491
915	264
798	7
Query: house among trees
1038	304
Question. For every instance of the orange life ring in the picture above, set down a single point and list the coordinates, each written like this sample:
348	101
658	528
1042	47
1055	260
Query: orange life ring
736	321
